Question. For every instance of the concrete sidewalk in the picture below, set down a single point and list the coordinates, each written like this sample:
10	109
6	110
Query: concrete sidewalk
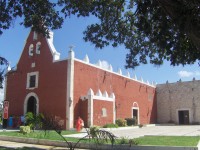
15	145
165	130
186	130
127	132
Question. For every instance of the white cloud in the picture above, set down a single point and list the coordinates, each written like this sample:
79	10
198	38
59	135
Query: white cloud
197	73
185	74
105	64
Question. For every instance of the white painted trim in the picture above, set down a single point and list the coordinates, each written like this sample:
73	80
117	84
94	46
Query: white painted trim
93	65
30	50
104	112
90	107
101	98
5	88
114	111
55	54
26	101
38	48
70	92
28	80
190	115
136	104
35	35
91	97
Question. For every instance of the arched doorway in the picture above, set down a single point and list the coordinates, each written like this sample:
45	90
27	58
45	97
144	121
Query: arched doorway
32	105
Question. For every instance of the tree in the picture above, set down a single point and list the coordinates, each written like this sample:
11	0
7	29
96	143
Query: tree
3	67
152	30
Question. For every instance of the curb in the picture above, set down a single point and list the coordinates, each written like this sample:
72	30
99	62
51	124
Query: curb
93	146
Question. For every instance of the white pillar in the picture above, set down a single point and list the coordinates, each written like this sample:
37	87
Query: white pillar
5	82
70	90
114	110
90	107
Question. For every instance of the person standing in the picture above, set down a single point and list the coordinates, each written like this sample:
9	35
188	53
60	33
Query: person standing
79	124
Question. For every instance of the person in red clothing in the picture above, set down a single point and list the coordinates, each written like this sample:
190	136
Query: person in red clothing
79	124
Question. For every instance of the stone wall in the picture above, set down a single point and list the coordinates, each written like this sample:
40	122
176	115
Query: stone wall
175	97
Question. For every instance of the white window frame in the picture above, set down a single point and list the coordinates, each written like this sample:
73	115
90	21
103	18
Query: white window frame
136	108
30	51
38	47
104	112
28	80
35	35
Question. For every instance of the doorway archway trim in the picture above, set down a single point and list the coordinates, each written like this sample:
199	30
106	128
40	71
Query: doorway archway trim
26	102
136	107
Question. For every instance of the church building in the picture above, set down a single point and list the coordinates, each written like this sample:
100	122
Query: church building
69	88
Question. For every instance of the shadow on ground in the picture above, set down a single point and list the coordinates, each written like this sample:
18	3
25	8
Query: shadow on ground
20	148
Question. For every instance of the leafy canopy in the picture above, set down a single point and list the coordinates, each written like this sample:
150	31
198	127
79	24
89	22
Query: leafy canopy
3	67
152	30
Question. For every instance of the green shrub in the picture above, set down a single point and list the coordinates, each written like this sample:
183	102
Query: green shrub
34	121
140	125
94	130
121	122
111	125
133	142
131	121
25	129
123	140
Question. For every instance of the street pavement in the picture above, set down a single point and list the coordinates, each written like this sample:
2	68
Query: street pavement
126	132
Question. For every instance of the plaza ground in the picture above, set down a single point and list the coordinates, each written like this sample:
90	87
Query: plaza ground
128	132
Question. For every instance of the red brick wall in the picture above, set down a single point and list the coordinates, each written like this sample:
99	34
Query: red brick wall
52	83
97	112
126	91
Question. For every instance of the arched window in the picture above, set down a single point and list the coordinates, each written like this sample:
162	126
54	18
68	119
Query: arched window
30	52
38	45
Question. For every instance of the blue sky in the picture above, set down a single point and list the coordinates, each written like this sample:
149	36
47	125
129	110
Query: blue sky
12	42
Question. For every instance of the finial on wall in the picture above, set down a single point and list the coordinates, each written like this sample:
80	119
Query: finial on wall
86	59
120	71
71	47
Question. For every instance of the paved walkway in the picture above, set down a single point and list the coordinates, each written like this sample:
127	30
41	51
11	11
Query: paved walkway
128	132
193	130
15	145
133	132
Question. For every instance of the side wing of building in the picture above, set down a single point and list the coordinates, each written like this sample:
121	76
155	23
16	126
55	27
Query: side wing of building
179	102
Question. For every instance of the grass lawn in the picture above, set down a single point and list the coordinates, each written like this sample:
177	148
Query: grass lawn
146	140
51	135
169	140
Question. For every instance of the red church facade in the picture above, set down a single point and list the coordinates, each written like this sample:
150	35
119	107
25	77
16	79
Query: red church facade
70	88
